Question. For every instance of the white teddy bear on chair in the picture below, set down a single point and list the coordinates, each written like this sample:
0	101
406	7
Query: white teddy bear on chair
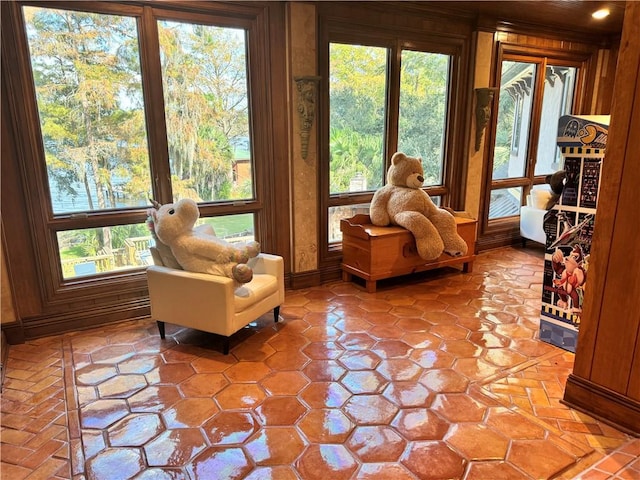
196	249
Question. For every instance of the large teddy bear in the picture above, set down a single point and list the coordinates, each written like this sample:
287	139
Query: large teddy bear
198	249
403	202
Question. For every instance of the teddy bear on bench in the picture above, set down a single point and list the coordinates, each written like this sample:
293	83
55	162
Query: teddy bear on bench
403	202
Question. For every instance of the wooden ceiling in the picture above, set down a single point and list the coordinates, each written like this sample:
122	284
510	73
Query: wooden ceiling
571	15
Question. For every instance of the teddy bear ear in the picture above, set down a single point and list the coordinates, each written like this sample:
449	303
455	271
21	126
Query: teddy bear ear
155	204
397	157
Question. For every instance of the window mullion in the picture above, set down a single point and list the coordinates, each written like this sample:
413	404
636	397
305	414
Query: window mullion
154	106
392	102
536	114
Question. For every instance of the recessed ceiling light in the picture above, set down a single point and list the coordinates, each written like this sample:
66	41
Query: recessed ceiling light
600	14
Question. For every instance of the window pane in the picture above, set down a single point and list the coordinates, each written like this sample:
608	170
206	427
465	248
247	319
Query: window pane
232	228
82	252
514	116
424	79
505	202
557	101
204	74
86	70
357	85
338	213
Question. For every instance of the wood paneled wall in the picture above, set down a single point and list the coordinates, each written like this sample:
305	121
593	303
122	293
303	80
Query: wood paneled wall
606	377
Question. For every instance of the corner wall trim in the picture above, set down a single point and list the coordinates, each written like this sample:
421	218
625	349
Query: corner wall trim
602	403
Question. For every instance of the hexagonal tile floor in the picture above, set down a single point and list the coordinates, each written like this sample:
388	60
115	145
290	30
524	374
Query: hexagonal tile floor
436	376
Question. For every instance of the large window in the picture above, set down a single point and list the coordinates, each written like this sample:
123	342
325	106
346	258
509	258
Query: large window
137	103
383	96
534	93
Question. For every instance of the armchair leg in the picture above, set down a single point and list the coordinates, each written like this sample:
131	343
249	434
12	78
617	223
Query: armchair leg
161	328
225	348
276	314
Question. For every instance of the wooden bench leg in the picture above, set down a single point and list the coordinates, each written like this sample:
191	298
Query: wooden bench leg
467	267
371	286
346	276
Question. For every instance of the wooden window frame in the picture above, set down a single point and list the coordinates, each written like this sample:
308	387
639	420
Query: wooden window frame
504	230
55	291
451	190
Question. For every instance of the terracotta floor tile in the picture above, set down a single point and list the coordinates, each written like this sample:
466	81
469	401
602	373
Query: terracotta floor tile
278	472
407	394
326	425
220	462
375	471
457	407
444	380
169	374
325	394
287	360
189	412
122	386
275	446
360	360
323	371
513	425
280	411
121	463
433	460
134	430
477	442
370	409
320	462
494	471
428	358
376	444
323	350
227	428
240	395
247	372
527	455
175	448
284	383
356	341
439	375
420	424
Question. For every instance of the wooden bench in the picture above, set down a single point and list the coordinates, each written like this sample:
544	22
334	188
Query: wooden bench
374	253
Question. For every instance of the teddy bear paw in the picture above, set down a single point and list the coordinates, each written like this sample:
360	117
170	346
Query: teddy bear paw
453	253
242	273
253	249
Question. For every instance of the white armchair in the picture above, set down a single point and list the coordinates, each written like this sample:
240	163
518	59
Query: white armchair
532	215
211	303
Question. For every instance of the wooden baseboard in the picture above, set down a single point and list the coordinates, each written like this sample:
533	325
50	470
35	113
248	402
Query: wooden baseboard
603	404
305	279
4	349
73	321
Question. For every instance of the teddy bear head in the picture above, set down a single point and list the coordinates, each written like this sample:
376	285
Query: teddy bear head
174	219
405	171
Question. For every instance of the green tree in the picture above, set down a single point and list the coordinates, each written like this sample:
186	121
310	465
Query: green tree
357	114
92	123
206	104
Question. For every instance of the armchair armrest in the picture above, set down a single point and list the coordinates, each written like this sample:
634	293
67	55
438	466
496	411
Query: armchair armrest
268	264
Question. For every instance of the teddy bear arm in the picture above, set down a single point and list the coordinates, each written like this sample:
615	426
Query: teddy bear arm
378	211
209	247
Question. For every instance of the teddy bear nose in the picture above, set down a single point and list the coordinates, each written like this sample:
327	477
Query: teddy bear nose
420	178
